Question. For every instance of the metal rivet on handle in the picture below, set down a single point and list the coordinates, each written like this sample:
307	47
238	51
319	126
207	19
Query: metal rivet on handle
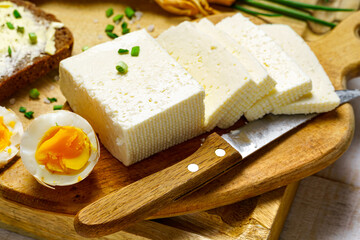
193	167
220	152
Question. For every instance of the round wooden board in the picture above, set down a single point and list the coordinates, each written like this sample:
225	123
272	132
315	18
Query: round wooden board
300	153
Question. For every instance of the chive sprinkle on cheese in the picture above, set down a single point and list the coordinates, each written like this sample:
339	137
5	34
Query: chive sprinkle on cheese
20	29
123	51
122	67
16	14
135	51
10	25
109	12
84	48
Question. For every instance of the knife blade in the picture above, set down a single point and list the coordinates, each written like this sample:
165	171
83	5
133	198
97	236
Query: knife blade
217	155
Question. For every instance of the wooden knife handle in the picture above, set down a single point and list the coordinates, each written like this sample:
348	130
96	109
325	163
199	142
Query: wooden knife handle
145	197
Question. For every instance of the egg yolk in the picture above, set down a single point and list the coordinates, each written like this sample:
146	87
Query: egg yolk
63	149
5	135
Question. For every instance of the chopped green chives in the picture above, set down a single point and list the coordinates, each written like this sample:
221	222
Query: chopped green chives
135	51
84	48
124	25
52	99
22	109
125	31
10	26
112	35
33	38
20	29
29	115
123	51
122	67
16	14
109	12
109	28
34	93
57	107
118	17
129	12
9	51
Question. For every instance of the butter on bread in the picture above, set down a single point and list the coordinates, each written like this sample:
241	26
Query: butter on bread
22	69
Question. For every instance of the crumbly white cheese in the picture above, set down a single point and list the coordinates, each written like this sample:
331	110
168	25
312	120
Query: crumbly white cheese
155	105
258	73
292	82
19	43
322	97
225	80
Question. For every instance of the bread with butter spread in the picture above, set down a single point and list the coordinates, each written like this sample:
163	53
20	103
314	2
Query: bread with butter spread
23	61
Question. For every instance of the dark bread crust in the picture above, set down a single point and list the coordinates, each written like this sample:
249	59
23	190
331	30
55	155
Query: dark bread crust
25	74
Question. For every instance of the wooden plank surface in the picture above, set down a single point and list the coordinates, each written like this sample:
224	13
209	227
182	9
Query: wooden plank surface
256	217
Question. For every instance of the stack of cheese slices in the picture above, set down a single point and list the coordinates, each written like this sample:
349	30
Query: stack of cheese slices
192	78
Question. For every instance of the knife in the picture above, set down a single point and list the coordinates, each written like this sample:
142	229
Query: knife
217	155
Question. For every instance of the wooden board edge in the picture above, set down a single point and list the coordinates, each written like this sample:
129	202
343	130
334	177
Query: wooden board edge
282	213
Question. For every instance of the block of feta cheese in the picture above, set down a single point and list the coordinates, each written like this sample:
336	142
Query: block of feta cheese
322	97
225	80
155	105
291	82
257	72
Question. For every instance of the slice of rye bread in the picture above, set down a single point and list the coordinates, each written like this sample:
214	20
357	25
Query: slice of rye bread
26	73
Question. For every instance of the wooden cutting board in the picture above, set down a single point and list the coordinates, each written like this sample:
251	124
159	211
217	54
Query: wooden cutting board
300	153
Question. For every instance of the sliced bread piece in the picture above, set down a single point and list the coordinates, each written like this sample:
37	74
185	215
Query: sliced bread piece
322	97
225	80
292	82
257	72
25	62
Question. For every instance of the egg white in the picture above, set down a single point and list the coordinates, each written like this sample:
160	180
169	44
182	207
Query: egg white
35	133
17	131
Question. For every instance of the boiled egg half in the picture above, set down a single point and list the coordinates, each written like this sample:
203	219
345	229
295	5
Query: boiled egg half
11	130
59	148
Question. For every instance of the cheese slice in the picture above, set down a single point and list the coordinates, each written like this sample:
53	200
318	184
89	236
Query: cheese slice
257	72
155	105
292	82
225	80
322	97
